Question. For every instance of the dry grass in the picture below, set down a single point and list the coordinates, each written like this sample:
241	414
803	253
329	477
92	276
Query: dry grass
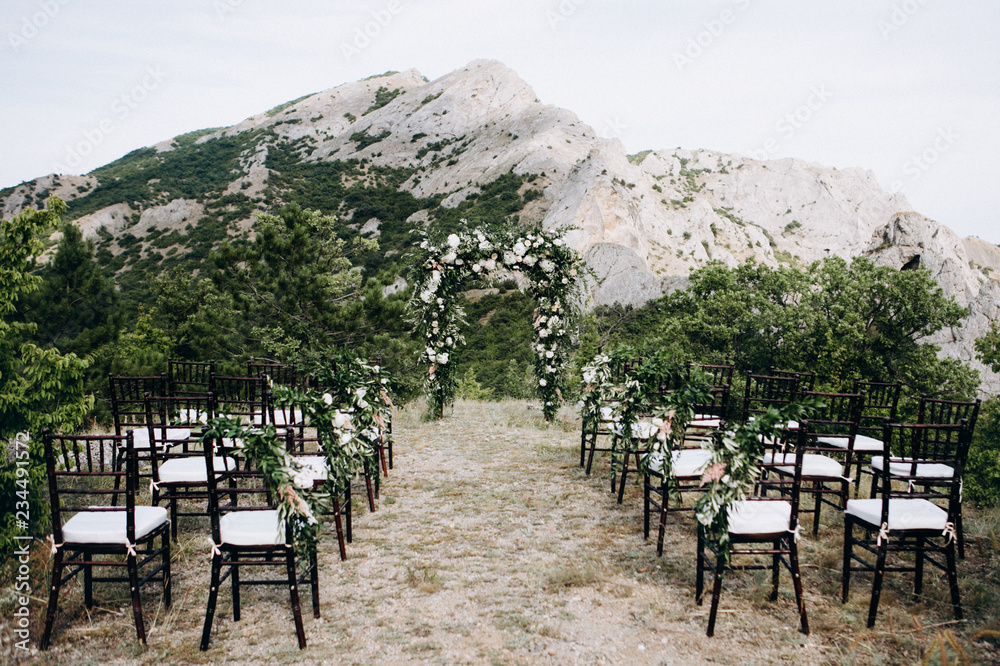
491	545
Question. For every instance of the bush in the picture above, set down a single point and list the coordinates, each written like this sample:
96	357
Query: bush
982	471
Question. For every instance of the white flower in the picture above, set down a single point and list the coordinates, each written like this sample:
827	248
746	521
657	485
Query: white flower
542	382
557	242
529	260
490	264
423	245
327	398
442	358
476	268
342	421
509	258
519	248
543	332
449	258
546	265
454	240
549	354
590	375
345	438
430	352
427	296
302	479
450	341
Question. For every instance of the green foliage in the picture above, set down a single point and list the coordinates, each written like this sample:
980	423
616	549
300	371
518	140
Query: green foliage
364	139
988	348
470	389
382	97
498	338
39	388
982	471
287	105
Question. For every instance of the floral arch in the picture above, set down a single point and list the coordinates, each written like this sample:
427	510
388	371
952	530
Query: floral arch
552	269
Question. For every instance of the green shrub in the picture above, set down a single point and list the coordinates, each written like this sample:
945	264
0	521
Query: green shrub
982	472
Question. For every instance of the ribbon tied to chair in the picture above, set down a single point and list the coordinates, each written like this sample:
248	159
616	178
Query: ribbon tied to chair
883	533
797	533
55	546
215	550
130	548
153	486
949	532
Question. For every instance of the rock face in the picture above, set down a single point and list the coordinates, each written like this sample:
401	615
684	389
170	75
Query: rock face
643	222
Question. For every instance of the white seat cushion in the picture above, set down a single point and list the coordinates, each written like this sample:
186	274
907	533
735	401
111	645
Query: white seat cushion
640	430
813	465
705	421
687	463
140	436
192	469
251	528
764	517
904	514
109	526
902	467
862	443
607	413
314	468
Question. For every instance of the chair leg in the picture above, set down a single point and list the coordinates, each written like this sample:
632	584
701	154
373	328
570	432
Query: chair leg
338	522
918	568
845	578
645	507
234	578
877	583
621	483
583	442
775	570
819	503
389	440
699	581
167	580
662	528
213	597
133	582
50	613
956	602
371	495
381	457
314	581
88	586
293	589
716	593
959	532
793	561
173	518
348	513
593	448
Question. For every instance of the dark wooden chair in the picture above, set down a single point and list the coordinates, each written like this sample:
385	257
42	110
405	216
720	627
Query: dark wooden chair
902	517
762	526
247	533
309	452
881	403
178	472
593	429
824	474
282	374
128	409
188	377
764	391
806	380
244	398
91	532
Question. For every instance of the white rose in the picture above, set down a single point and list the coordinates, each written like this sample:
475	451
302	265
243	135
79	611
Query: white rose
529	260
546	265
476	268
490	264
327	398
519	248
557	242
542	382
454	240
426	296
549	354
449	258
442	358
430	352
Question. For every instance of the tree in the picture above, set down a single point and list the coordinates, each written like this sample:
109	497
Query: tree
74	307
38	387
293	286
988	348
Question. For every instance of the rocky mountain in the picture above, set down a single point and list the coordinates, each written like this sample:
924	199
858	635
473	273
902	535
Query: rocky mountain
397	151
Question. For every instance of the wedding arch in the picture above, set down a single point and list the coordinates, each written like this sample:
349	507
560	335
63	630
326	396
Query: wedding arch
552	269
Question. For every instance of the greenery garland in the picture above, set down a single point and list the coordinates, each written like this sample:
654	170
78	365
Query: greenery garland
297	503
732	472
552	269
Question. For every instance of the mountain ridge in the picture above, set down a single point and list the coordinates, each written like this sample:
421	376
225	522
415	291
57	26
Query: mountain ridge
642	222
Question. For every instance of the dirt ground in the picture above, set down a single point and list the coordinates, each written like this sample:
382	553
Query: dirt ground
491	545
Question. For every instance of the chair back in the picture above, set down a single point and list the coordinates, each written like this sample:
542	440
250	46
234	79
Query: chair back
279	373
947	412
285	415
763	391
244	398
172	423
243	485
839	414
807	380
881	402
83	476
188	377
915	453
128	408
773	486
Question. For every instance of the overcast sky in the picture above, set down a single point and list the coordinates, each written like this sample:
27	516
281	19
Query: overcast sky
906	88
